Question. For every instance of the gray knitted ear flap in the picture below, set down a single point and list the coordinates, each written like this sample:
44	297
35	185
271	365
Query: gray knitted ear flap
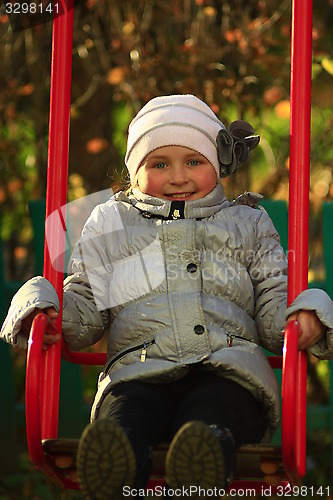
234	145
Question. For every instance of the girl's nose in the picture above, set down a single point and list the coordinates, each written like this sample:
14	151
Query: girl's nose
179	175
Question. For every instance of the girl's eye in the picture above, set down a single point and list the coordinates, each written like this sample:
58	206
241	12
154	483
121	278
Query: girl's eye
160	165
194	163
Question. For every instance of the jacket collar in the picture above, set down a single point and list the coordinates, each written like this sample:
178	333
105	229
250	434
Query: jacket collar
166	209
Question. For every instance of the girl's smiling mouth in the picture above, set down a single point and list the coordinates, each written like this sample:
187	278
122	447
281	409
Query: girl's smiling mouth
178	196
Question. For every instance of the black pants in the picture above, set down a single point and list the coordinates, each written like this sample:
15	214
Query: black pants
157	411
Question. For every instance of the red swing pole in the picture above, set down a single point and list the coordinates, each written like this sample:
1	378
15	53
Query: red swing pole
43	367
294	454
56	197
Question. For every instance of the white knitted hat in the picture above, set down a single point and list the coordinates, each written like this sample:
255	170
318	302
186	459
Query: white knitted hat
175	120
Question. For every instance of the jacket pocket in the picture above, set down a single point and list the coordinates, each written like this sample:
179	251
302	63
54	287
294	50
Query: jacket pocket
142	346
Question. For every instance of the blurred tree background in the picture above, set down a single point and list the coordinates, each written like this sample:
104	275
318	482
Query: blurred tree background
235	55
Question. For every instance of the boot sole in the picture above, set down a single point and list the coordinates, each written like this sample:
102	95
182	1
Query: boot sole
105	461
195	458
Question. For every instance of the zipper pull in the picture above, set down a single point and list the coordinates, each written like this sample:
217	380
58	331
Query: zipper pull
230	340
177	210
144	350
143	354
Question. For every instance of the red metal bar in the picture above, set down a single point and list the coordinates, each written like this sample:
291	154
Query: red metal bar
300	126
43	374
289	408
83	358
34	383
56	195
32	389
298	236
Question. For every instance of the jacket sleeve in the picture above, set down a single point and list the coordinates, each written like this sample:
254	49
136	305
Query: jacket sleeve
85	311
83	324
268	271
269	275
84	319
37	293
318	301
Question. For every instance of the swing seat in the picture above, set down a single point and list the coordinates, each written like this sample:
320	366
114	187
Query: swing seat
261	465
258	466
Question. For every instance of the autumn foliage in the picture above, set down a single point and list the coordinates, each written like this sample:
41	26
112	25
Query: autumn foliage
234	55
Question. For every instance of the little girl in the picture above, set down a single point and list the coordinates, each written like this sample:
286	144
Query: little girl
190	288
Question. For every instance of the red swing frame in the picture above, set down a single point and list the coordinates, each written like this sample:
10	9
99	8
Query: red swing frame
43	367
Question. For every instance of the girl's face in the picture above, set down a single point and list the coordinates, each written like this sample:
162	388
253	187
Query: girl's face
176	173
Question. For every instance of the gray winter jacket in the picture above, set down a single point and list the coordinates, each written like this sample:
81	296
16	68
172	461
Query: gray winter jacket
208	287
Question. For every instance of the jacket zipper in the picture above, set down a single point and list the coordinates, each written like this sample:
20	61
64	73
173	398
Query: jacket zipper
232	337
143	356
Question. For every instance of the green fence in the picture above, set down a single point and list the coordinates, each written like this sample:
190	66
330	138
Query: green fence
74	412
